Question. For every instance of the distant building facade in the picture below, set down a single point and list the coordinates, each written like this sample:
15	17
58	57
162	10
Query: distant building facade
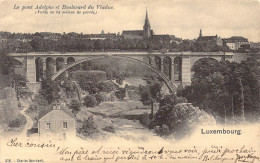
235	42
255	45
239	40
47	36
207	39
230	44
56	124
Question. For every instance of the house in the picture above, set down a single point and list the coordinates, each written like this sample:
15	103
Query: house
57	124
4	36
47	36
255	45
239	40
230	43
204	40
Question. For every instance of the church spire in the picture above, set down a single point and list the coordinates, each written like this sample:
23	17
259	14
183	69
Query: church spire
147	27
146	17
146	22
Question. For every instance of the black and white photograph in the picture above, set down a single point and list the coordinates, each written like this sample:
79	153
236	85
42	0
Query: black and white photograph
130	81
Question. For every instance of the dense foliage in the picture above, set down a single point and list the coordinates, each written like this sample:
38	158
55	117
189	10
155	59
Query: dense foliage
227	90
75	106
151	92
90	101
18	81
50	90
69	43
121	93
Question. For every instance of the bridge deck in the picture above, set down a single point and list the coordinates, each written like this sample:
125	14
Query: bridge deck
124	53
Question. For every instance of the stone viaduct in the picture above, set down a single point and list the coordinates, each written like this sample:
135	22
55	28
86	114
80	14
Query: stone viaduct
173	67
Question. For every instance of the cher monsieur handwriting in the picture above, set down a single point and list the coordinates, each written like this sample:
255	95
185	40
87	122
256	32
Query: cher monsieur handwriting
15	143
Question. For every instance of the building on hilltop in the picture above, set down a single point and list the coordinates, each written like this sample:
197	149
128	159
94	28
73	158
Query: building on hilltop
101	36
47	36
230	43
255	45
57	124
204	40
147	32
235	42
239	40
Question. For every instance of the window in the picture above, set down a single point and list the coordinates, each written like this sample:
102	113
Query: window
65	125
64	136
48	125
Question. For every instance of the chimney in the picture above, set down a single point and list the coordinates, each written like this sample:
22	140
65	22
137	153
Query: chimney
56	106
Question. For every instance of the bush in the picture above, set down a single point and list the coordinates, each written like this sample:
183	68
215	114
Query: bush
32	108
99	98
120	79
90	101
133	95
17	122
106	86
88	127
145	120
121	93
109	129
162	131
75	106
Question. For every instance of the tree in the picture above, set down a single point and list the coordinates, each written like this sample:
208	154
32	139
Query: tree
7	64
7	67
22	90
50	90
106	86
88	127
150	93
120	79
90	101
75	106
99	98
121	93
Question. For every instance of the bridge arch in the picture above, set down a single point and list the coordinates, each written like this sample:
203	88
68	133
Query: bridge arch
203	61
70	60
167	81
60	63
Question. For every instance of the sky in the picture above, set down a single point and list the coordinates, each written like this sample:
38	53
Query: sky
182	18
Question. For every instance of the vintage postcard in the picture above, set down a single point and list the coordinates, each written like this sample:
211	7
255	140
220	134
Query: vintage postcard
129	81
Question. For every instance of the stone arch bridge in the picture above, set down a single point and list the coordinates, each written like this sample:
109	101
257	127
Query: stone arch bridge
173	68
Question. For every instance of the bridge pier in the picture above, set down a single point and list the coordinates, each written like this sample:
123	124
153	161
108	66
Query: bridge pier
171	69
161	64
185	70
44	68
31	69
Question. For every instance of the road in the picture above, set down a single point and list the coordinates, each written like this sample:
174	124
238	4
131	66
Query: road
29	121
